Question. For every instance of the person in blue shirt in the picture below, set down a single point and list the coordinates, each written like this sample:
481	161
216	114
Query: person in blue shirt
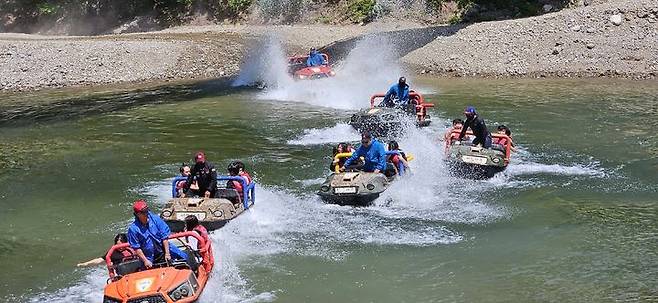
400	91
148	235
314	58
372	151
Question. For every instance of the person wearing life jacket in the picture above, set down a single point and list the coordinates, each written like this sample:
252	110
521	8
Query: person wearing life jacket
185	171
450	134
192	224
118	255
314	58
340	149
503	130
399	91
477	125
236	168
395	160
205	176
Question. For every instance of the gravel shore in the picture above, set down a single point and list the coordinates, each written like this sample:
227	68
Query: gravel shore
614	39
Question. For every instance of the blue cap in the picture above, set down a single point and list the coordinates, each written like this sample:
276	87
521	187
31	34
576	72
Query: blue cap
469	110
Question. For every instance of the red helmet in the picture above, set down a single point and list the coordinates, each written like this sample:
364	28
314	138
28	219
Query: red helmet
200	157
140	206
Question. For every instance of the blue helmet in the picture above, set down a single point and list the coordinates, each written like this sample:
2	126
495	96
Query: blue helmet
470	110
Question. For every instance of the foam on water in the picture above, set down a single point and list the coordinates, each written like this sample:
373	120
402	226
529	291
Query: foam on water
341	132
368	69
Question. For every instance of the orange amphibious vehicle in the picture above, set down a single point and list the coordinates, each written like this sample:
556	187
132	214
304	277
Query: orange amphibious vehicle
298	69
176	281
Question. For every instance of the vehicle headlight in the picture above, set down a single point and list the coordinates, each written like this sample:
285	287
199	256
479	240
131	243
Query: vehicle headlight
107	299
495	160
218	213
370	186
302	77
182	291
166	213
324	188
332	73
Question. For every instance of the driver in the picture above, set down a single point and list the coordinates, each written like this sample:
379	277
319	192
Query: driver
148	235
205	175
372	151
476	124
400	91
314	58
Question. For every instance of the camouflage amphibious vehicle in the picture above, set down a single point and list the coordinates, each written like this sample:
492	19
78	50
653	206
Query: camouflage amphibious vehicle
476	162
390	122
213	213
354	187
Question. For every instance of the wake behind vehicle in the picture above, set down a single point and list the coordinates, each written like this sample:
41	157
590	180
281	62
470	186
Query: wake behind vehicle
178	281
476	162
354	187
213	213
390	122
298	69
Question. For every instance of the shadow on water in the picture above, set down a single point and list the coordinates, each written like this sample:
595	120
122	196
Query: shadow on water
405	41
21	109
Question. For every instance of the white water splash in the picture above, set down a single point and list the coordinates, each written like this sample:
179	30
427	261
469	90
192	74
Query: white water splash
340	132
368	69
531	168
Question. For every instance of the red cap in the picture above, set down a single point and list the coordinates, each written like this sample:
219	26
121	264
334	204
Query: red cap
140	206
200	157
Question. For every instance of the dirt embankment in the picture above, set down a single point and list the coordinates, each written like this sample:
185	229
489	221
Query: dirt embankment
618	38
615	39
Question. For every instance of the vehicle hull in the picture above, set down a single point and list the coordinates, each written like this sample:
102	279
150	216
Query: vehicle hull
472	162
212	213
364	188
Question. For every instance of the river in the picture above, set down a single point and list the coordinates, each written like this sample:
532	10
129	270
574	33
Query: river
573	219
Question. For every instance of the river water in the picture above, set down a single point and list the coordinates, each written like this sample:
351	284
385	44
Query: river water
573	218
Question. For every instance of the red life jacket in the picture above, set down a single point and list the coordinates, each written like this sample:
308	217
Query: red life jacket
237	185
203	232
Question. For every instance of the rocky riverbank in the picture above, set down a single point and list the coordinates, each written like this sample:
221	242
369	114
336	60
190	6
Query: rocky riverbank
614	39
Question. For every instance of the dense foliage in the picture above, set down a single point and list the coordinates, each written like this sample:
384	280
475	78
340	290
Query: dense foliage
478	10
21	14
96	16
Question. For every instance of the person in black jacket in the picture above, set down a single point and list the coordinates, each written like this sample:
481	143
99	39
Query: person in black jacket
476	123
205	175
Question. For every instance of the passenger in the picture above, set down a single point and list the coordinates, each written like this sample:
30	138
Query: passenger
236	168
315	58
372	151
339	149
117	256
504	130
148	235
400	91
185	171
476	123
192	224
395	159
457	125
205	176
